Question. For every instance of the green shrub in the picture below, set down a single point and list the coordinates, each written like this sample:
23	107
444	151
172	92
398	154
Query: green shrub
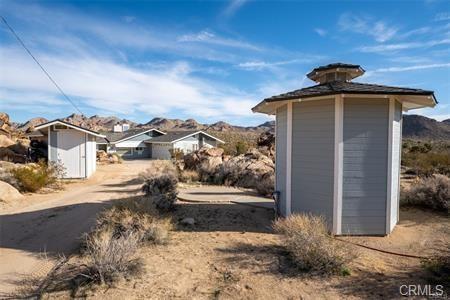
431	192
241	148
33	177
311	247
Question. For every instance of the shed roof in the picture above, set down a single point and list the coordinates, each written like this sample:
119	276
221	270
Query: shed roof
73	126
175	136
346	87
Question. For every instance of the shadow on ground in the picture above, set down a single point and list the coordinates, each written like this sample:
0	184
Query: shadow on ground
224	217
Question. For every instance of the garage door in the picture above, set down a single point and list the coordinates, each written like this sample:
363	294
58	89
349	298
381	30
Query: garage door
161	151
71	152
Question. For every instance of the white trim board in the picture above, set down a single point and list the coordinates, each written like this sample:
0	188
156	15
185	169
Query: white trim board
289	159
70	126
338	163
389	164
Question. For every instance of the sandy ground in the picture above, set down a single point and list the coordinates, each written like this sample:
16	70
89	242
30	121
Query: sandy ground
230	253
38	229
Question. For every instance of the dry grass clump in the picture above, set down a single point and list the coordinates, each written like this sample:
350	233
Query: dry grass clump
310	246
33	177
111	255
266	185
138	219
431	192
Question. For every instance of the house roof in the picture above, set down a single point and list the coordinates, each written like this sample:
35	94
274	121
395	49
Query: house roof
116	137
58	121
345	87
175	136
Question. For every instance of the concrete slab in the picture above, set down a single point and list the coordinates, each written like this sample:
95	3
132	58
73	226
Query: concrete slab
224	194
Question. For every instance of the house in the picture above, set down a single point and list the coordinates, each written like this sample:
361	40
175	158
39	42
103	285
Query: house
72	146
152	143
338	147
185	141
128	144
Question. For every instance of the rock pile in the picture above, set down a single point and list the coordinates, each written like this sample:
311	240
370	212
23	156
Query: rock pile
250	170
107	158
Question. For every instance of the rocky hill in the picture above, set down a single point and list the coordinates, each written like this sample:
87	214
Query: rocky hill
414	126
420	127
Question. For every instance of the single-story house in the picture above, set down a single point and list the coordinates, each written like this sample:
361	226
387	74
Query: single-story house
338	149
153	143
128	144
186	141
72	146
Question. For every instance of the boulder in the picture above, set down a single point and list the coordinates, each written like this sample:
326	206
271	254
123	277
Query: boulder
7	154
102	156
214	152
5	141
191	161
8	193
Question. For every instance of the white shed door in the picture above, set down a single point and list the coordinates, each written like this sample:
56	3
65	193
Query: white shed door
161	151
72	153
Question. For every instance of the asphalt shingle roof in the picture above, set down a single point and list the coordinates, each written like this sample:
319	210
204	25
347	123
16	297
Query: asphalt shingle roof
336	87
334	66
172	136
117	136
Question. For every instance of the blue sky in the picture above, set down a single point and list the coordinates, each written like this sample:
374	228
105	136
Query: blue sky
211	60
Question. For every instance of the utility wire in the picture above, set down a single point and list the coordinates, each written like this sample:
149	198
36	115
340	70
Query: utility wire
42	68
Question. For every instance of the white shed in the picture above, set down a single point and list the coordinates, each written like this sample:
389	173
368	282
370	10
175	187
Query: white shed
72	146
338	148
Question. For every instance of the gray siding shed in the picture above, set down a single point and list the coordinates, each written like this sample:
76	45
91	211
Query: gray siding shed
313	157
280	156
365	136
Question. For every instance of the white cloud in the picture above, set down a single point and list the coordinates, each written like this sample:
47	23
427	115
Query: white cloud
402	46
320	31
379	30
443	16
206	36
404	69
232	7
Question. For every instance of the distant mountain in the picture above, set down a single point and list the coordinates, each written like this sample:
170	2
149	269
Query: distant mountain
414	126
420	127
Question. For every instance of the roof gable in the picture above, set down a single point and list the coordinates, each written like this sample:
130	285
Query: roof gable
176	136
72	126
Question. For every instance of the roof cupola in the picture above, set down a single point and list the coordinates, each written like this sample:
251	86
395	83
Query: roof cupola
335	72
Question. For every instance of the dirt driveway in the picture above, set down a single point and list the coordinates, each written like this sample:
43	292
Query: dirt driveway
37	230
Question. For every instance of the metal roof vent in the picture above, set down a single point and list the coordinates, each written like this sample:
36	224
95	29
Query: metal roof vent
335	72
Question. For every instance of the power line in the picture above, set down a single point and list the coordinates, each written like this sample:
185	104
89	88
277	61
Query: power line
42	68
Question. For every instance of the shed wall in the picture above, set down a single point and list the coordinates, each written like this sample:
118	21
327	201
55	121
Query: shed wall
365	135
280	155
313	157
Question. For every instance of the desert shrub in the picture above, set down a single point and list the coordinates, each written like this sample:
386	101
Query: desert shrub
427	164
111	256
266	185
176	154
439	267
116	158
8	177
135	217
33	177
310	246
241	148
162	190
431	192
188	176
158	168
